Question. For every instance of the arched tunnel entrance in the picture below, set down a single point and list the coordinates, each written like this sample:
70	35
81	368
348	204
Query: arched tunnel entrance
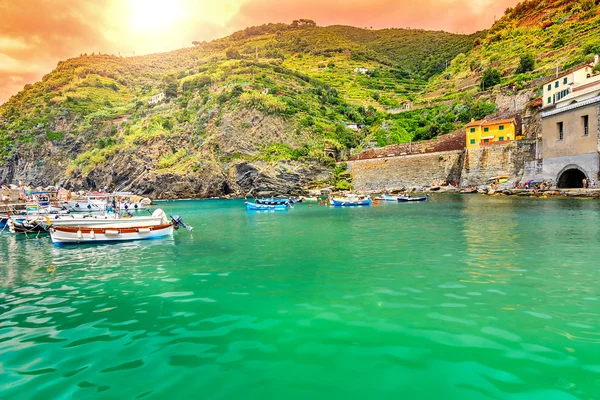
571	178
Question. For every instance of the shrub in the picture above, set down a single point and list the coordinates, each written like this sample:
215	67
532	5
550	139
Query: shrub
526	64
491	77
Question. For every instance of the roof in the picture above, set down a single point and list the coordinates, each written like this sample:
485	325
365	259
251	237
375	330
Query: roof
581	66
475	123
499	122
586	86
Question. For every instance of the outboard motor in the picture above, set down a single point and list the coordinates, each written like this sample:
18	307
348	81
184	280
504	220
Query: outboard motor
176	219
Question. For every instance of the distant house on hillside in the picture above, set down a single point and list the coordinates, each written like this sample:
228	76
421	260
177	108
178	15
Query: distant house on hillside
482	132
562	85
362	70
157	98
354	127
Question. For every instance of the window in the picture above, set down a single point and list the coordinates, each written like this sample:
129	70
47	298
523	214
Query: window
549	87
549	100
556	84
560	131
565	81
486	140
472	130
501	127
586	125
472	141
486	129
501	139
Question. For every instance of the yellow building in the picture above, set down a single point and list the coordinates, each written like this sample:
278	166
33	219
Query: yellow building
484	132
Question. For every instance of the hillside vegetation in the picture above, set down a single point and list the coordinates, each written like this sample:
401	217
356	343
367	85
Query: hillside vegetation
265	102
554	33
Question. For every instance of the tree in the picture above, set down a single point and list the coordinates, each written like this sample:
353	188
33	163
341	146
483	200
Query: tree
171	85
491	77
526	64
233	54
301	23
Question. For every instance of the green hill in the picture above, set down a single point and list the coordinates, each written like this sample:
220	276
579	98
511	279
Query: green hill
265	94
556	33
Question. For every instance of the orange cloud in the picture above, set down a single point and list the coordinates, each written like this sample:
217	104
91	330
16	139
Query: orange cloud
36	34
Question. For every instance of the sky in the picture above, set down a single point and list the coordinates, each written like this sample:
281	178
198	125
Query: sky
36	34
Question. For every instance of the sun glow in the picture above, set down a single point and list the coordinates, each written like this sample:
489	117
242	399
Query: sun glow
155	14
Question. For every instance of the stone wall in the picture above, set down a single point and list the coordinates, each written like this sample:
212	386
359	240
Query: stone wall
449	142
500	159
418	170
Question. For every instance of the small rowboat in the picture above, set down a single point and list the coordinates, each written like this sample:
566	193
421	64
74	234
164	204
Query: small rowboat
404	199
25	226
73	234
387	197
351	203
273	202
265	207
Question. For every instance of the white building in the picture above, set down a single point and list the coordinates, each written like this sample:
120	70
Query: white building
564	84
157	98
362	70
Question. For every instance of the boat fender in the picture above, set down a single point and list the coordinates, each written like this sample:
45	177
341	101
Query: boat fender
126	207
92	235
79	235
89	206
135	206
76	205
144	230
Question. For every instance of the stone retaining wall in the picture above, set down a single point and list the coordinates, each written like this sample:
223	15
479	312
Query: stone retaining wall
419	170
501	159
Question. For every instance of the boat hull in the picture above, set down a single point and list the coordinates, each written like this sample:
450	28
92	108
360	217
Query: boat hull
411	199
265	207
74	235
272	202
25	226
363	203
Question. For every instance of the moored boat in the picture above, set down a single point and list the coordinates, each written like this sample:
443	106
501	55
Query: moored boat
407	199
265	207
387	197
351	202
74	234
273	201
20	226
116	233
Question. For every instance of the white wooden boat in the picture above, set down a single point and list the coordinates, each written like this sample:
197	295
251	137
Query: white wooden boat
116	230
73	234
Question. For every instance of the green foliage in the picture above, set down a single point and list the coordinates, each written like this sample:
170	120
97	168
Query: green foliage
526	64
491	77
171	159
54	136
233	54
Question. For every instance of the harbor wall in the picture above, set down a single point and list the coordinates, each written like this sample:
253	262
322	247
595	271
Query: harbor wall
495	160
467	168
417	170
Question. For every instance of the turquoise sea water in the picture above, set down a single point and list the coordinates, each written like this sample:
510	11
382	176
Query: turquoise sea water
466	297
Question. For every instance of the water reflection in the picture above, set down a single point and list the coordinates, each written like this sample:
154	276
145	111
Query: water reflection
492	240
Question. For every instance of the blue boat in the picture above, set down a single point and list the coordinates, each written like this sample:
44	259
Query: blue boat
273	202
387	197
265	207
351	203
